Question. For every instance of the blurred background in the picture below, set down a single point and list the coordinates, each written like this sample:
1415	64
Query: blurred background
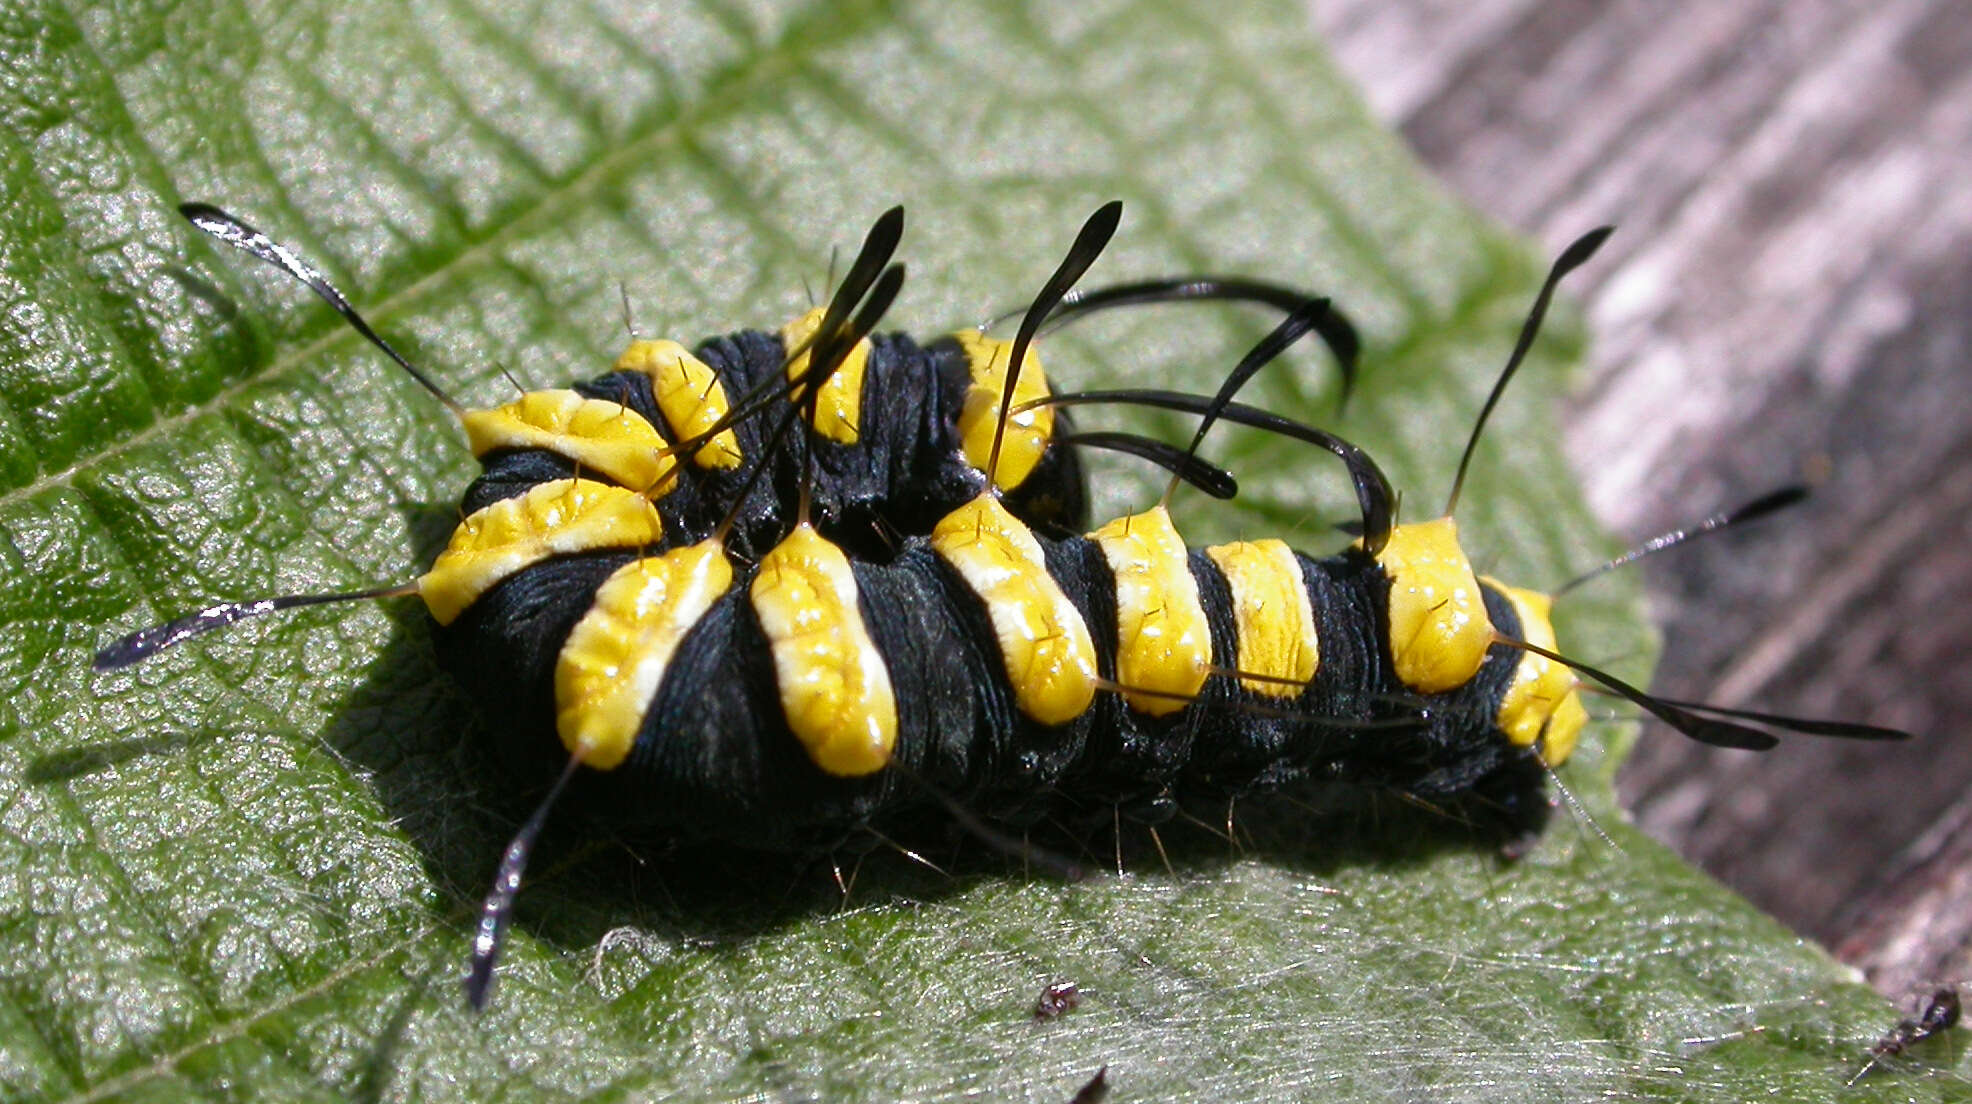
1789	296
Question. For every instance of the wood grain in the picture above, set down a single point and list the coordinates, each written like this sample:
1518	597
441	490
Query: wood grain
1789	295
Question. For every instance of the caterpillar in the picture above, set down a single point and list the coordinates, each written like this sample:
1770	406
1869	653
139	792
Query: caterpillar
798	585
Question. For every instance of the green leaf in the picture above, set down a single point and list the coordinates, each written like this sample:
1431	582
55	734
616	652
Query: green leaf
248	868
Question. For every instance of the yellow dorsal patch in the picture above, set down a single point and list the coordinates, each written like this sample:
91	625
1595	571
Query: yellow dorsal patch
838	409
551	519
688	394
835	689
1050	659
603	437
1541	703
1271	610
1028	432
1439	630
1163	642
615	658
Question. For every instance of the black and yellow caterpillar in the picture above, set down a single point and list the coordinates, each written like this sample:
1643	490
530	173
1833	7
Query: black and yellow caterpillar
774	624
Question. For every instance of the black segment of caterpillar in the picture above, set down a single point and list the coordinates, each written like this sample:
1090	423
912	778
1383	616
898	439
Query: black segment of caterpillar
808	685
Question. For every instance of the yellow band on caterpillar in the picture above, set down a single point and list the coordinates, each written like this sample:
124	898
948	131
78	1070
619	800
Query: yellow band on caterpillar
615	658
838	409
551	519
1050	659
688	394
835	688
1163	641
1271	611
1541	703
601	436
1439	630
1028	432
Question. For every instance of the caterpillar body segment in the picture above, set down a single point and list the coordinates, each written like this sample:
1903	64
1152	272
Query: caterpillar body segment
836	411
1164	649
505	537
1275	618
1541	706
691	397
1438	626
1024	435
596	435
617	654
1046	652
835	687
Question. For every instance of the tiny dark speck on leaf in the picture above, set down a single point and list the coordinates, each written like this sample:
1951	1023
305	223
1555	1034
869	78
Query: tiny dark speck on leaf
1057	999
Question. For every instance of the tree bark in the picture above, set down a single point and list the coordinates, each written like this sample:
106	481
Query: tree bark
1789	296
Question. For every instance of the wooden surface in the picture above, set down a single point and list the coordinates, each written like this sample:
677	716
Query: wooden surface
1789	295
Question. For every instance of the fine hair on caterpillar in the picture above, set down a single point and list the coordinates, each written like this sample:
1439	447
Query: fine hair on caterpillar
785	587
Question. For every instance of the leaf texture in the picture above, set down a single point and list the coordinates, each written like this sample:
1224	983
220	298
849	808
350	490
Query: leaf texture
247	869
